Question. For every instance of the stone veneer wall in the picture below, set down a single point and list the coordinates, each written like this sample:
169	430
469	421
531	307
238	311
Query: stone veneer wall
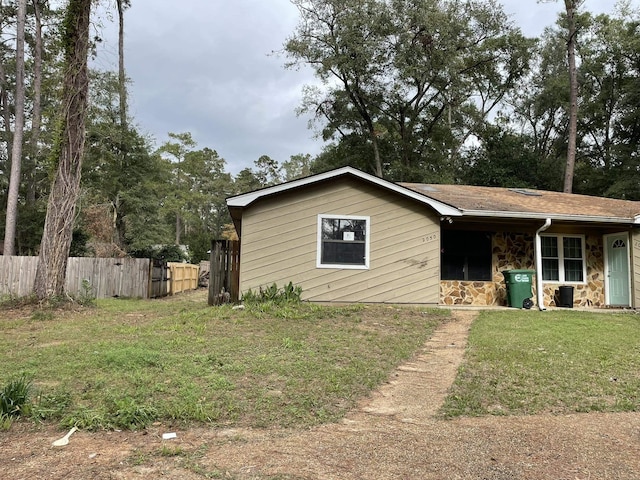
516	251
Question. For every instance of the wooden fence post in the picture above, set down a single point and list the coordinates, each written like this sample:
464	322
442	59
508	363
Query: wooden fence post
214	273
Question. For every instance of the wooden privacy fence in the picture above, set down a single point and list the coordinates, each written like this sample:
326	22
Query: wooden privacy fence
224	277
159	279
182	277
102	277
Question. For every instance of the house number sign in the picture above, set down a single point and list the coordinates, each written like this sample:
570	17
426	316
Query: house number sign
430	238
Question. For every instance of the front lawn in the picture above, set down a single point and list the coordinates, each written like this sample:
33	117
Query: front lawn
128	363
526	362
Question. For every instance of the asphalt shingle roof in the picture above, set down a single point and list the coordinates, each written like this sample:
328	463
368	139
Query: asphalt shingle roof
526	201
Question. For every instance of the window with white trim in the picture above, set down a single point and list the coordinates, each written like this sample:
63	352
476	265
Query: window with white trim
343	241
563	258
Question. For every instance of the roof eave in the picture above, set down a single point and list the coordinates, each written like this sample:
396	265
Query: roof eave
555	217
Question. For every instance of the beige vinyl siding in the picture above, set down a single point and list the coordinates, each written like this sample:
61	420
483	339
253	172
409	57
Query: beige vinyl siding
279	244
635	272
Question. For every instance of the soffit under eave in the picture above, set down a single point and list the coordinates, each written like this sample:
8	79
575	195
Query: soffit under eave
236	218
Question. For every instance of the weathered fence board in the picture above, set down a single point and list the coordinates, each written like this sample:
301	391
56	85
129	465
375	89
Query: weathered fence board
183	276
17	275
108	277
224	277
159	279
101	277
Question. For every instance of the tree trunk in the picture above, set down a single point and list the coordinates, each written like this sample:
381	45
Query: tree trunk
121	73
118	223
16	151
36	115
68	151
573	96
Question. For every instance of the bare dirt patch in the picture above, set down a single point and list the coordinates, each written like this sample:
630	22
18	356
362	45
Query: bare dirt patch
394	434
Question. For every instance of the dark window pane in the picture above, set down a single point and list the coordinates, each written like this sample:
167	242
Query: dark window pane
550	269
477	268
572	247
573	270
549	247
465	255
347	253
452	267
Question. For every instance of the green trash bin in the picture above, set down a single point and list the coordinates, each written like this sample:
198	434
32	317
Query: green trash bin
519	284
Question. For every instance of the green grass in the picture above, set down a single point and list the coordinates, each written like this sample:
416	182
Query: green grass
527	362
127	363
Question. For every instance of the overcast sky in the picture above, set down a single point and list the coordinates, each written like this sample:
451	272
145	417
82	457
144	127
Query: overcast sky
206	67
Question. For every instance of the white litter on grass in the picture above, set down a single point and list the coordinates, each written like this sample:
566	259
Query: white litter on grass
64	440
167	436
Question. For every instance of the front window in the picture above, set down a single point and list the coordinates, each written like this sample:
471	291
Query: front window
466	255
563	258
343	241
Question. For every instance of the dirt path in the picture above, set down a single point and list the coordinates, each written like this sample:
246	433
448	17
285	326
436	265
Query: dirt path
392	435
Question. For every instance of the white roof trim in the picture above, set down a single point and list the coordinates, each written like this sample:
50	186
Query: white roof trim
543	216
248	198
637	220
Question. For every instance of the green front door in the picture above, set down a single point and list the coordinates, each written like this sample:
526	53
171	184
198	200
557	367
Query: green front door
617	269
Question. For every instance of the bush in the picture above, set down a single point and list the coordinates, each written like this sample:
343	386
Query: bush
287	294
168	253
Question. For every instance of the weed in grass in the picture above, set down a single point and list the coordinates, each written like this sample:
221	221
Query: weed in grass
87	418
9	301
50	406
14	397
272	294
137	458
126	413
87	295
5	422
42	315
171	451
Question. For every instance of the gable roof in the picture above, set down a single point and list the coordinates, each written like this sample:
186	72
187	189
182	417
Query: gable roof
471	201
247	199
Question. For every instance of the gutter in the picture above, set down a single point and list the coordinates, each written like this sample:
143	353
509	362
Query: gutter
545	216
538	254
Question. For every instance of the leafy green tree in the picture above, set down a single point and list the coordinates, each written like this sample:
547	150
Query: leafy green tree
121	173
610	74
404	76
197	191
267	171
175	151
246	181
296	167
540	102
209	185
507	159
